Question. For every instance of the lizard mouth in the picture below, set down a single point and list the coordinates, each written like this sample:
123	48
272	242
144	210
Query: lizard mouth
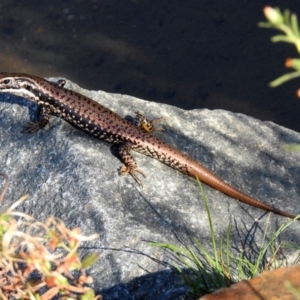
17	90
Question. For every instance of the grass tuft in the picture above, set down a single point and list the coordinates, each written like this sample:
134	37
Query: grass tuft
206	270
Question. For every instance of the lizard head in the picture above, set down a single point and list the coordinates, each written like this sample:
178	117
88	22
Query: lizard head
19	84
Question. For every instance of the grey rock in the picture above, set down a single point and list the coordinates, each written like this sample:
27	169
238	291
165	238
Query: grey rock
74	177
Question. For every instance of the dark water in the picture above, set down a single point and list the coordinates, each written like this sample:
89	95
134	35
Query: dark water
191	54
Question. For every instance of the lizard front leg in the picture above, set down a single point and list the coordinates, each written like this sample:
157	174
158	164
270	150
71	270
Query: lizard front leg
129	162
60	83
144	123
44	114
44	118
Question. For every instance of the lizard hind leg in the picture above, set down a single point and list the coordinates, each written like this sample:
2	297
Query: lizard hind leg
129	162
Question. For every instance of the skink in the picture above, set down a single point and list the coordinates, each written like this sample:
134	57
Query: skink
97	120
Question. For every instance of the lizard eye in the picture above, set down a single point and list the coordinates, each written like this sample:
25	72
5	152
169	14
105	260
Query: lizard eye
6	81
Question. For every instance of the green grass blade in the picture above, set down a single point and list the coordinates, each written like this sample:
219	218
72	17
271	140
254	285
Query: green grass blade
293	289
212	234
291	147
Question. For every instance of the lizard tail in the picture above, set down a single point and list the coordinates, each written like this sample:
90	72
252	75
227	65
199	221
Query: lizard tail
204	175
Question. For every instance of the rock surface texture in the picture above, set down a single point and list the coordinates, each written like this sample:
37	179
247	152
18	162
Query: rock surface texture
75	177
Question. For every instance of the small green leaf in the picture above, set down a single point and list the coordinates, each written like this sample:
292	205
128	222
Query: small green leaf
89	260
89	295
281	38
5	217
295	25
286	16
294	63
34	296
61	279
265	25
284	78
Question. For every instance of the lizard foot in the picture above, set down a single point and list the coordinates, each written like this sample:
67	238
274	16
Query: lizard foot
31	127
132	171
